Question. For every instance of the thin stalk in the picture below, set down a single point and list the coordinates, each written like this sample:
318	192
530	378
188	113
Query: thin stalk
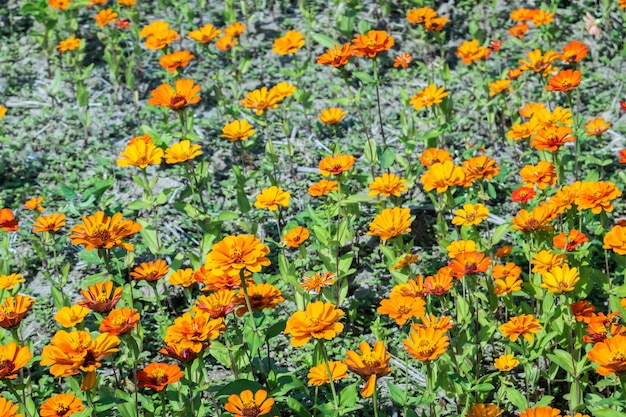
380	113
330	374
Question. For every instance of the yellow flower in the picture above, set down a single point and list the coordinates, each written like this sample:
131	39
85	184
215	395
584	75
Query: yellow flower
391	222
331	115
289	43
442	176
560	279
104	17
8	282
181	151
71	316
205	34
235	253
68	44
387	185
318	375
546	260
34	204
426	344
505	363
261	100
524	325
140	154
272	197
237	130
428	96
183	277
320	321
499	86
3	111
470	215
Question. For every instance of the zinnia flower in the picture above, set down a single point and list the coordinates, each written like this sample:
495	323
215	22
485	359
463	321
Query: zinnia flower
331	115
235	29
296	236
484	410
597	196
205	34
59	4
140	154
183	277
158	375
564	81
505	363
71	316
179	353
237	130
175	60
546	260
402	308
391	222
261	100
431	156
99	231
104	17
8	409
519	30
317	281
421	15
470	215
597	126
387	185
181	151
289	43
337	57
318	375
100	297
615	239
543	174
320	321
61	405
441	176
151	271
471	51
499	86
610	355
469	263
8	282
560	279
426	344
539	63
226	43
51	223
34	204
375	42
428	96
7	220
248	404
524	325
403	60
523	195
574	51
193	331
119	321
272	197
571	241
261	296
371	364
335	164
12	359
184	94
217	305
323	187
541	412
14	309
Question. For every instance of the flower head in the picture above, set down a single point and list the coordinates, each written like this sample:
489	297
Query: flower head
428	96
524	325
323	187
426	344
506	363
272	197
158	375
12	359
7	220
441	176
140	154
335	164
543	174
571	241
338	57
431	156
100	297
235	253
235	29
261	100
288	43
182	151
249	404
615	239
375	42
317	281
194	331
319	321
403	60
484	410
541	412
565	81
560	279
183	277
597	196
184	94
296	236
610	355
8	282
14	309
61	405
391	222
119	321
99	231
261	296
402	308
8	409
387	185
71	316
318	375
470	215
575	51
523	194
471	51
205	34
34	204
237	130
331	116
372	363
217	305
50	223
597	126
105	16
175	60
226	42
59	4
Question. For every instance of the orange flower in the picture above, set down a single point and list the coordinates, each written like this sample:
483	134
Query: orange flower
119	321
331	116
371	364
470	51
391	222
183	277
318	321
217	305
522	14
184	94
272	197
375	42
34	204
237	130
387	185
514	74
71	316
508	270
8	409
484	410
261	296
539	63
470	215
282	90
541	412
261	100
289	43
536	220
247	404
226	43
461	246
127	3
175	351
523	195
151	271
175	60
519	30
421	15
499	86
428	96
318	375
100	297
442	176
431	156
161	39
12	359
71	352
597	126
521	130
235	29
337	57
469	263
524	325
480	167
402	308
158	375
574	51
542	17
14	309
560	279
104	17
140	154
543	174
506	363
615	239
440	283
8	282
565	198
323	187
335	164
205	34
404	261
622	154
193	331
403	60
436	24
546	260
426	344
51	223
61	405
507	285
7	220
444	323
317	281
551	139
583	311
564	81
411	288
220	281
569	243
503	251
236	253
597	196
296	236
59	4
181	151
103	232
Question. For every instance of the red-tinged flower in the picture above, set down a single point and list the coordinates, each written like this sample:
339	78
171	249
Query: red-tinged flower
337	57
99	231
440	283
176	351
122	24
574	51
469	263
523	195
184	94
100	297
622	156
571	241
119	321
610	355
403	60
61	405
496	45
597	126
564	81
14	309
151	271
583	311
371	364
519	30
158	375
7	221
622	105
217	305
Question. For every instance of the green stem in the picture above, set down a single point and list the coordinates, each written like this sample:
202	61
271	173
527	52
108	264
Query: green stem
330	374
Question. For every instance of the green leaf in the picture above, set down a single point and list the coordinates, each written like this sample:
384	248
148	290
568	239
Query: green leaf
275	329
369	152
516	398
349	396
364	77
486	387
563	359
397	394
324	40
608	412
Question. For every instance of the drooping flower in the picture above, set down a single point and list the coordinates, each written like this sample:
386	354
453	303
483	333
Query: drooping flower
402	308
140	154
175	60
272	197
317	281
524	325
71	316
51	223
119	321
14	309
371	364
184	94
100	297
194	331
158	375
12	359
288	43
296	236
428	96
338	57
61	405
249	404
319	321
331	115
441	176
426	344
391	222
236	253
318	375
237	130
375	42
564	81
470	215
322	187
506	363
179	353
205	34
8	282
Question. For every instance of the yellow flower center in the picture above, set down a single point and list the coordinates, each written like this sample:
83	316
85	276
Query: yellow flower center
618	357
102	298
61	409
236	255
371	360
101	232
424	348
250	409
